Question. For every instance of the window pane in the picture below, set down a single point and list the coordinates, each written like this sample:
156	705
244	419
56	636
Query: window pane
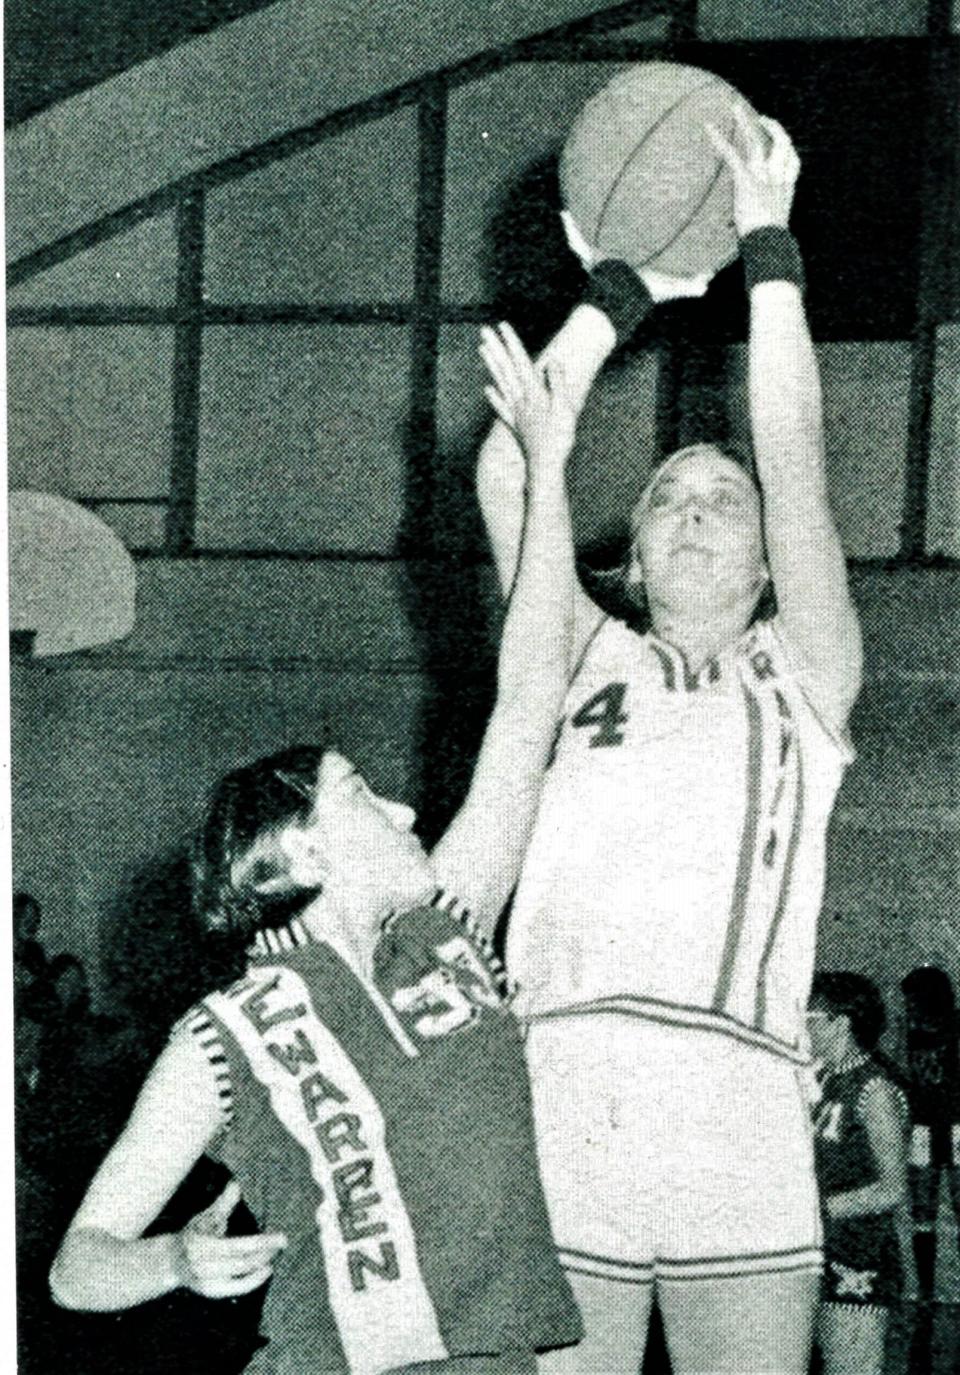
90	410
302	437
136	268
332	224
502	133
140	527
812	19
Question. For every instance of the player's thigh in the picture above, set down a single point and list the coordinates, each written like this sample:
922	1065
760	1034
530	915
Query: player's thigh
616	1317
597	1168
740	1325
852	1338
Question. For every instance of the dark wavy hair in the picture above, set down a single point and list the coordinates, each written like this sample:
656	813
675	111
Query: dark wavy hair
931	1003
855	997
247	803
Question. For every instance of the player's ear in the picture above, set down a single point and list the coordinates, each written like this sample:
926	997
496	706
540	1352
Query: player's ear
577	243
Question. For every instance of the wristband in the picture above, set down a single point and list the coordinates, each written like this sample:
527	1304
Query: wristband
771	254
617	290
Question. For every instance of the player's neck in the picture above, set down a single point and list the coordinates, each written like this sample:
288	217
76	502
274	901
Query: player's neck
350	923
700	635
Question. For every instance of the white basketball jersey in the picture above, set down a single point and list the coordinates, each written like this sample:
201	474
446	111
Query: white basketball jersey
676	871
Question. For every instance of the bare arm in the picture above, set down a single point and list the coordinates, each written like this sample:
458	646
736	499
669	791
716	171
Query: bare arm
806	559
581	348
479	856
104	1262
885	1120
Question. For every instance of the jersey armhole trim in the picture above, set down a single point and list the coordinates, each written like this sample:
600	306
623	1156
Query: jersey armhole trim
458	910
899	1097
839	737
199	1024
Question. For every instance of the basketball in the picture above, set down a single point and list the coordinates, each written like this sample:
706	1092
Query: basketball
640	177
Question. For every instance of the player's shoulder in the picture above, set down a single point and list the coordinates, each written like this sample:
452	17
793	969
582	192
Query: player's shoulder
773	662
878	1093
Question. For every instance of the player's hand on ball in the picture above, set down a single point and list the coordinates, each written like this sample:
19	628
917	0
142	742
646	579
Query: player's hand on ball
532	400
217	1266
764	173
664	288
660	286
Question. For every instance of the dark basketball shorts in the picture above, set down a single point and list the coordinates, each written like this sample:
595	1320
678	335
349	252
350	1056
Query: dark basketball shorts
862	1263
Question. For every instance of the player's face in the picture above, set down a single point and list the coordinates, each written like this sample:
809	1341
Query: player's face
698	533
826	1031
353	841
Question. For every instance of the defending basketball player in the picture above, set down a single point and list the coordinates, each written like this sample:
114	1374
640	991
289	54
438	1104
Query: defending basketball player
664	927
364	1081
862	1126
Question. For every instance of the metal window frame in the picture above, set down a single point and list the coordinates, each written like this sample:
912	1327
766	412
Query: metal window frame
582	40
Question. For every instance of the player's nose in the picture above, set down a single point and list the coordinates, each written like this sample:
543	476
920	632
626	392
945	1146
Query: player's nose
402	816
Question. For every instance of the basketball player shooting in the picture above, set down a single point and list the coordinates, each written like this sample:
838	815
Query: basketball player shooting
664	927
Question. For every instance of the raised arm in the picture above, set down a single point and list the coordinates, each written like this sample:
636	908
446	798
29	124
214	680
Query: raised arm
615	302
579	349
479	856
806	559
104	1261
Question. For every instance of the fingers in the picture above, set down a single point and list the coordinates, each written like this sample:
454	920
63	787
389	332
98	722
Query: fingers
222	1207
212	1221
750	136
510	367
218	1266
782	156
725	148
555	377
499	362
519	355
502	408
246	1285
665	288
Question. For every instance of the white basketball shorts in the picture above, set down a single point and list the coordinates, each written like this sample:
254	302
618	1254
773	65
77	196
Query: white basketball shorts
669	1153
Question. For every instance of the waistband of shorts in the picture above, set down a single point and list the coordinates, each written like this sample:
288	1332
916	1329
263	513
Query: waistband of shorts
680	1016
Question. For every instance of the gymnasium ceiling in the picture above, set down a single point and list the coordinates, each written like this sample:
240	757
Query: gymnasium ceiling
55	48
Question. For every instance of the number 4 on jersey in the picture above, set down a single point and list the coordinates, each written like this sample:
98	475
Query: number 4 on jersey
604	709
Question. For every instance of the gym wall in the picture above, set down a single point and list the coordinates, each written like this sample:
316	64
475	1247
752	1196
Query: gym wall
302	432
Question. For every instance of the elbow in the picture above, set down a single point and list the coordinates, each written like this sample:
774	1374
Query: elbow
62	1291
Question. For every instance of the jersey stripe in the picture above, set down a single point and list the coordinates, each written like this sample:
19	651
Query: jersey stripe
748	845
668	666
783	900
729	1267
381	1323
207	1037
603	1267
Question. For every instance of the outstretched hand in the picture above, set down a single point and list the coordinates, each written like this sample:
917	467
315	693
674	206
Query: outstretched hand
764	174
532	400
218	1266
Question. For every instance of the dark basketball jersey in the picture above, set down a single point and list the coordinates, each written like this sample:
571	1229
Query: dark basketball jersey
861	1252
844	1158
384	1125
